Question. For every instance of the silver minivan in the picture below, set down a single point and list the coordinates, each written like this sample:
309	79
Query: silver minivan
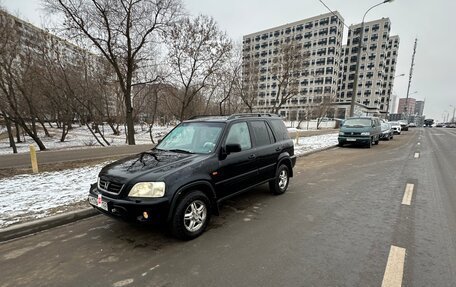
360	130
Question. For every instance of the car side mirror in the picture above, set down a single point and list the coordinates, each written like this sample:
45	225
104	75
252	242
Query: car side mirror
229	148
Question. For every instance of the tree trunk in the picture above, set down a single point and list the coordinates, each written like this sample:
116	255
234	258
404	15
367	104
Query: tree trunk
46	132
34	126
18	133
64	132
10	133
94	135
115	130
32	135
129	117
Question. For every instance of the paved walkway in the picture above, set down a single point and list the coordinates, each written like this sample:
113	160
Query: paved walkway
21	160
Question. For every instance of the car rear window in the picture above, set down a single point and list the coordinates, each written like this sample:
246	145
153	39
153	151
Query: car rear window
280	130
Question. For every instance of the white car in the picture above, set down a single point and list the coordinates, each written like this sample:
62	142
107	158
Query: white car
396	127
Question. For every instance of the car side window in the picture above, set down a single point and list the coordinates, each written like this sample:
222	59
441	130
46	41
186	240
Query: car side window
239	134
260	129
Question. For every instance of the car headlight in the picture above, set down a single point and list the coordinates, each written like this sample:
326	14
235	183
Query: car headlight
148	189
365	133
341	133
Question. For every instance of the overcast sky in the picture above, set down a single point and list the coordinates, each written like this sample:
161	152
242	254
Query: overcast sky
432	22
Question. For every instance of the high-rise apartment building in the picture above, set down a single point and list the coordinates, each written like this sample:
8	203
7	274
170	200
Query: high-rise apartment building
376	71
419	108
406	106
318	38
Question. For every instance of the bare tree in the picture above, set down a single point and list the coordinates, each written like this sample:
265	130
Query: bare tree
248	84
322	106
197	50
123	31
18	81
286	70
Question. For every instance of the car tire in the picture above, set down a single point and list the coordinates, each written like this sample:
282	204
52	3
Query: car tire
377	141
369	144
280	184
340	144
191	216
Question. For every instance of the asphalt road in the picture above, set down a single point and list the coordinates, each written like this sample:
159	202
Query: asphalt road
345	210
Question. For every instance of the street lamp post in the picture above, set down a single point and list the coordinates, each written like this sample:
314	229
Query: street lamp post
358	59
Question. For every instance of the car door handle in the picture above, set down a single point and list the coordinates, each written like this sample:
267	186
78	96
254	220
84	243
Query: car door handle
252	156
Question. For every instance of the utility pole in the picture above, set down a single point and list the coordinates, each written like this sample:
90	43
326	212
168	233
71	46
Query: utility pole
410	81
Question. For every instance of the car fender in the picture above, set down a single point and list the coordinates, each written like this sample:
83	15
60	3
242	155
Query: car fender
210	191
285	158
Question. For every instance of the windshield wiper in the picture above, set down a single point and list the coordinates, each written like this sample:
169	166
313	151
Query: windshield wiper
180	150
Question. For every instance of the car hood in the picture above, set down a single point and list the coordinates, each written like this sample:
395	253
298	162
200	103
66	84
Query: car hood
154	163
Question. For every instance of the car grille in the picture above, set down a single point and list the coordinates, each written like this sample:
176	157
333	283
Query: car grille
352	134
109	186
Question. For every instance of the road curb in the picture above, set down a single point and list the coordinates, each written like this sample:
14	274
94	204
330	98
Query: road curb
28	228
316	150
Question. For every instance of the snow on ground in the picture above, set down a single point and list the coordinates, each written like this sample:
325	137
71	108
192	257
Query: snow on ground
306	144
80	137
32	196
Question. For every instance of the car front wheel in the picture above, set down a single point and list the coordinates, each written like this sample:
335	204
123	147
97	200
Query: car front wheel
191	216
280	184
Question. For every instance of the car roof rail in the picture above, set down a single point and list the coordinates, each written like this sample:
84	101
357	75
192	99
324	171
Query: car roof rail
252	115
206	116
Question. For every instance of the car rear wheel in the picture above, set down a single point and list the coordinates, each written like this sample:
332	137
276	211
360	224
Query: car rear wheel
280	184
369	144
191	216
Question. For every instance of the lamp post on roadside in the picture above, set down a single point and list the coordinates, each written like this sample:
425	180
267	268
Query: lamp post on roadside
358	59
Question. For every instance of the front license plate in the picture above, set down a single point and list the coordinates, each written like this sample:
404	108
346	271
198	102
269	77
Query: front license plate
351	140
98	202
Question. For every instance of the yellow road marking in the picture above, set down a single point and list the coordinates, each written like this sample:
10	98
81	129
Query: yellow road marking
394	270
407	199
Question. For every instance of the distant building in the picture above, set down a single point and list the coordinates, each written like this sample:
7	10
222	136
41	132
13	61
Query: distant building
377	67
320	37
419	108
406	106
394	102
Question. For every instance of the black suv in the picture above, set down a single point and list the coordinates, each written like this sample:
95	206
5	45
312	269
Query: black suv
198	164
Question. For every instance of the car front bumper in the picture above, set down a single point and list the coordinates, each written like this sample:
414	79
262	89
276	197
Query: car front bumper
139	210
354	140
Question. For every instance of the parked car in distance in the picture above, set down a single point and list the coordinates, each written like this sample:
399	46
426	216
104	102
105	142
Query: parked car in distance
451	125
412	125
387	132
439	125
404	125
197	165
396	127
360	130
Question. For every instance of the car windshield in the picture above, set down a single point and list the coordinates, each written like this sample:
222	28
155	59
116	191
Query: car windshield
192	137
354	123
385	126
